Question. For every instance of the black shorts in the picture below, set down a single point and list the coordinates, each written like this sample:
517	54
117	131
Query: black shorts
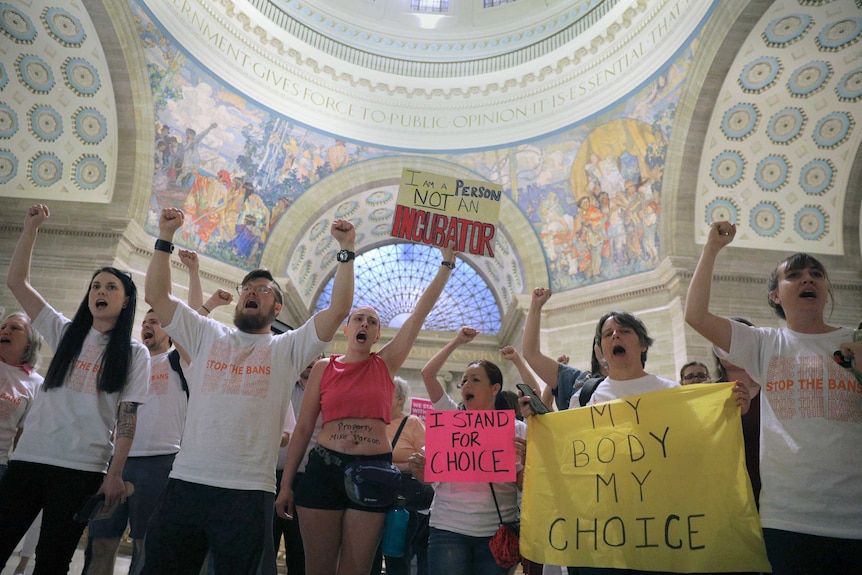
322	484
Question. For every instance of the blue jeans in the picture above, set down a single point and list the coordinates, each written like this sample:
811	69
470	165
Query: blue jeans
455	554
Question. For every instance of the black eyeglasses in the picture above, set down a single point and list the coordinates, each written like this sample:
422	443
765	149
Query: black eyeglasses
696	376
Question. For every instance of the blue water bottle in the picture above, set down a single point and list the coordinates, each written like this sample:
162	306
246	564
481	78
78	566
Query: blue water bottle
395	530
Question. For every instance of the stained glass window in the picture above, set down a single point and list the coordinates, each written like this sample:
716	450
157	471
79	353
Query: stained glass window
391	279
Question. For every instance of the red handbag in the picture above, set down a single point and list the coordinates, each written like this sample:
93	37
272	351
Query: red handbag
505	543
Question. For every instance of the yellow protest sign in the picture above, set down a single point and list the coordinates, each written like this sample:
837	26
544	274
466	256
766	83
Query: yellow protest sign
653	482
441	210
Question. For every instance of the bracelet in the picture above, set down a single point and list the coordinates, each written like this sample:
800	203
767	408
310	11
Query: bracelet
206	308
164	246
450	265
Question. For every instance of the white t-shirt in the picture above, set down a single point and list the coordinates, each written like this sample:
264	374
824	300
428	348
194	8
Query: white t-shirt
17	390
70	426
610	389
468	508
240	391
810	430
161	419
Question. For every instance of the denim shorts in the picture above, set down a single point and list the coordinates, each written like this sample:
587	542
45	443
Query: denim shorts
322	484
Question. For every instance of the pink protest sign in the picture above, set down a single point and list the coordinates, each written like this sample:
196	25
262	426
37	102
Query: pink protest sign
470	446
420	407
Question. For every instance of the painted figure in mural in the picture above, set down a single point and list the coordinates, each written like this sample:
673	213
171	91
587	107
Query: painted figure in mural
204	206
281	205
337	155
253	227
191	154
612	181
650	222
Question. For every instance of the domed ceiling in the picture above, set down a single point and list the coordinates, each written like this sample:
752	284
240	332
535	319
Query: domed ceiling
478	78
58	128
783	134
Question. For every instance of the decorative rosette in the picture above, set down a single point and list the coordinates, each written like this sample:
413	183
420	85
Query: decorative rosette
740	121
346	209
727	168
759	74
786	125
839	35
45	169
8	166
379	197
767	219
786	30
771	172
8	121
90	125
381	230
16	24
816	177
811	223
298	258
849	88
35	73
90	172
81	76
323	245
721	210
808	79
833	129
45	123
64	27
317	229
380	214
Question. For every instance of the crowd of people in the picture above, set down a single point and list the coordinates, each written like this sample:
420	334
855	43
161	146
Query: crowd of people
212	444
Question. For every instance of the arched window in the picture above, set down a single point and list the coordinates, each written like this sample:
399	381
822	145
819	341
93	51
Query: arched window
391	279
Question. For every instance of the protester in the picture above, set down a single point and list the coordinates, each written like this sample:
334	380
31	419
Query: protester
464	516
693	372
353	392
810	461
220	494
95	381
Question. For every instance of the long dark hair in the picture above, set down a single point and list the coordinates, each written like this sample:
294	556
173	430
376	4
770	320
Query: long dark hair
116	359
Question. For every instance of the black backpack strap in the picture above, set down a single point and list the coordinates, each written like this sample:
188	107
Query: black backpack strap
174	358
398	433
587	390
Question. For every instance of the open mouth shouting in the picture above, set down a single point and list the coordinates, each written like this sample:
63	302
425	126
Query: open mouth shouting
101	303
808	294
147	335
251	304
618	350
362	336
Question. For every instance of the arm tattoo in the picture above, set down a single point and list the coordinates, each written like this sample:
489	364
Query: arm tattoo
127	420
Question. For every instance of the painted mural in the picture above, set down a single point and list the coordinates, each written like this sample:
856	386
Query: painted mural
592	191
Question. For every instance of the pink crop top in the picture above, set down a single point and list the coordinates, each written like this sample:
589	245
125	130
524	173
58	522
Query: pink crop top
362	389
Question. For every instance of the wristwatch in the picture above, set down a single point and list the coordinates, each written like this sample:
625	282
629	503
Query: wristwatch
344	256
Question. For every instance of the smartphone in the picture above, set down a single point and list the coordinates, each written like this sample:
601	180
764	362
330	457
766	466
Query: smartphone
536	403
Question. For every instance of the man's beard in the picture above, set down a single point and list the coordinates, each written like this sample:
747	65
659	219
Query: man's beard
252	323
